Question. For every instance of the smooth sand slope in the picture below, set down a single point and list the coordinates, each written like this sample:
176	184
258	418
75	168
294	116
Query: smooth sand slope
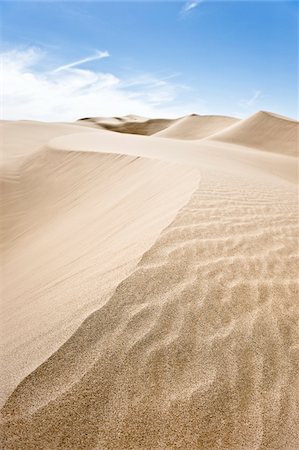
191	127
151	290
20	139
264	131
196	127
75	224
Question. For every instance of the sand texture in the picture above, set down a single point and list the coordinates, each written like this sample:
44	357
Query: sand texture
150	284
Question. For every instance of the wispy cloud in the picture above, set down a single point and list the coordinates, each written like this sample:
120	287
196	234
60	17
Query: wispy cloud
97	55
252	100
249	105
31	92
189	6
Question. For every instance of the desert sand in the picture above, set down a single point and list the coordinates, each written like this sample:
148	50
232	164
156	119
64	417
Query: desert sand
150	283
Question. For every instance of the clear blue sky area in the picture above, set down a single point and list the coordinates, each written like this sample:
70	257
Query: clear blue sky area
226	57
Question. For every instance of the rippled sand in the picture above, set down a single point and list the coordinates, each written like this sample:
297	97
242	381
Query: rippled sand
151	287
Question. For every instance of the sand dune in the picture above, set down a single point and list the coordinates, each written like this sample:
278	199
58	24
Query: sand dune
74	225
21	139
194	152
131	124
151	290
188	127
265	131
196	127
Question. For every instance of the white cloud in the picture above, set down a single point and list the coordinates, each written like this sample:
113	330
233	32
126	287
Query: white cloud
252	100
70	92
189	5
98	55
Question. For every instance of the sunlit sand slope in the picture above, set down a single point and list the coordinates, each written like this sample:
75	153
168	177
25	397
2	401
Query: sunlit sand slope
22	138
197	348
265	131
157	292
196	127
73	226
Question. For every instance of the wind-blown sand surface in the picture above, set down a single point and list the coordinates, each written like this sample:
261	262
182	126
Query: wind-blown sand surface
150	293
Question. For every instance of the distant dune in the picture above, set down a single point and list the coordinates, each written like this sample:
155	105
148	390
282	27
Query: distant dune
264	131
196	127
131	124
150	283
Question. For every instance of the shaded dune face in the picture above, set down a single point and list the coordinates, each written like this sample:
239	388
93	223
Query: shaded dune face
132	124
189	127
196	346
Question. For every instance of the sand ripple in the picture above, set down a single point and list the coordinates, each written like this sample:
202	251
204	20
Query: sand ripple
197	348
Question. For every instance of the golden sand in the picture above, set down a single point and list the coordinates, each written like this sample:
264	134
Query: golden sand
150	284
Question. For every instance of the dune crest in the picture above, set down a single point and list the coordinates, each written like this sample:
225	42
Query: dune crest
196	127
74	224
131	124
265	131
24	137
151	289
178	356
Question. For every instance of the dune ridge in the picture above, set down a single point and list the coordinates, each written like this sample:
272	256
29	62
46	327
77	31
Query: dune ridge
183	361
131	124
196	127
22	138
73	225
195	343
265	131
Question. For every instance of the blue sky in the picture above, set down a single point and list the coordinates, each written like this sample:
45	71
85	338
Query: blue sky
64	60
